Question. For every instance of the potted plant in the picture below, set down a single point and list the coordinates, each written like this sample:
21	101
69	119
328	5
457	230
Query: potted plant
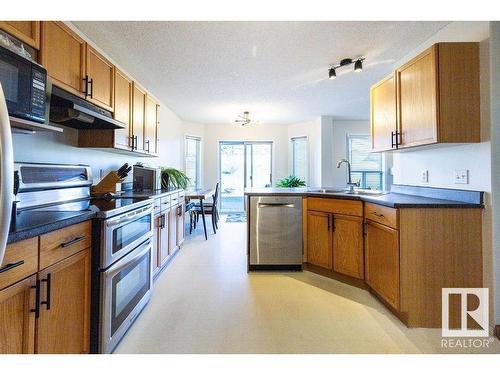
173	178
290	182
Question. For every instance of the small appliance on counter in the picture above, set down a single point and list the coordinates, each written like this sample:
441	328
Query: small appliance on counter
146	178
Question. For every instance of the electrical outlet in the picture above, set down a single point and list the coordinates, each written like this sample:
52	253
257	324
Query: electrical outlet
424	176
461	176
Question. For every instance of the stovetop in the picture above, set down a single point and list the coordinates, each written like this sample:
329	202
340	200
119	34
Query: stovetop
103	206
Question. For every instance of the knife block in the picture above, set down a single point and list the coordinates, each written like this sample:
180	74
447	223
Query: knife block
108	184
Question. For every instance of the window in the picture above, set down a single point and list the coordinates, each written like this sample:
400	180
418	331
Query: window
299	157
193	160
365	166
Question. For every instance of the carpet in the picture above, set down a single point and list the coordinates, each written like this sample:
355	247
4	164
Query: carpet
239	217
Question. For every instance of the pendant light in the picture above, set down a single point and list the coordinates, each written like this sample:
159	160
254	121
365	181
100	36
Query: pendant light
358	66
332	74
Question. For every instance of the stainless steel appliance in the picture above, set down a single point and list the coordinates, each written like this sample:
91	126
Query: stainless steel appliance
121	241
146	178
24	85
70	110
275	227
6	174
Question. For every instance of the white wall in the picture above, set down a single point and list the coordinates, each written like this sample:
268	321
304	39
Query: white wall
62	148
229	132
495	156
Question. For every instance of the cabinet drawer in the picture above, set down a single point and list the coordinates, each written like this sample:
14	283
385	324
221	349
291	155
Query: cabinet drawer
157	205
165	202
63	243
20	261
336	206
381	214
174	199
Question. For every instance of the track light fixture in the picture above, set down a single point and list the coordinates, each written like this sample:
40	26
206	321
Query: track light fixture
358	66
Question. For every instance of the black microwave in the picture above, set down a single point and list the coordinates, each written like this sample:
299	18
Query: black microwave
23	83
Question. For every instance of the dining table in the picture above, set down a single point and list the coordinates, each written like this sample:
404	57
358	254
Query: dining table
201	195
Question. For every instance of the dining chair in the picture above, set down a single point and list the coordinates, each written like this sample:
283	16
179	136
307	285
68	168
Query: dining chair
210	208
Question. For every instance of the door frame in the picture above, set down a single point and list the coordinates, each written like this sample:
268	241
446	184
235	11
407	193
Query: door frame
245	144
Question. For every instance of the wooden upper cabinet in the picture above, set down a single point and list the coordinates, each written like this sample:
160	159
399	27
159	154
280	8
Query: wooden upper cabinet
17	320
123	108
63	55
383	114
138	117
150	127
348	245
382	262
417	93
101	76
319	239
437	99
26	31
64	323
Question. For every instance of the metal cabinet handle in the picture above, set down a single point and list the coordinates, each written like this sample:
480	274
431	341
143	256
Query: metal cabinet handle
86	80
47	297
329	223
91	82
73	241
394	139
377	214
135	142
10	266
147	142
36	310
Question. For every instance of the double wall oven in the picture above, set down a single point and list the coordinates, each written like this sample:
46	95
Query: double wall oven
124	275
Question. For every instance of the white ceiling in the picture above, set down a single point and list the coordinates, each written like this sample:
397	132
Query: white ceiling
209	72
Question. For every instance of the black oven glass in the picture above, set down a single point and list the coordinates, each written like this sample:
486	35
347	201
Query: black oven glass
130	232
128	287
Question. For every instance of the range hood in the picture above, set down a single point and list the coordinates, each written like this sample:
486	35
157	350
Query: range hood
70	110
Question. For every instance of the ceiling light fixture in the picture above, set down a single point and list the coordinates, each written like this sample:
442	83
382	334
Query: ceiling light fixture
358	66
244	119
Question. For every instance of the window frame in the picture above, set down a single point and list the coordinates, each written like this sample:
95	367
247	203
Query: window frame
364	172
197	183
292	154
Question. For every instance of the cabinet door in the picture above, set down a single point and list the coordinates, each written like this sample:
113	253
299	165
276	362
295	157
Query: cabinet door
17	321
123	106
383	114
156	243
164	253
319	239
348	245
172	230
138	112
63	326
417	99
102	74
63	55
26	31
382	261
150	127
181	234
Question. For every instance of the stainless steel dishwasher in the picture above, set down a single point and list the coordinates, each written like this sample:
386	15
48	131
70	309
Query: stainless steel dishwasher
275	233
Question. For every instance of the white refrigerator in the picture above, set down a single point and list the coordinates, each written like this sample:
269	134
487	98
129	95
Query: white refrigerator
6	174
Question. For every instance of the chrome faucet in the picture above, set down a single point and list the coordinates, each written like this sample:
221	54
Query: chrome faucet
350	184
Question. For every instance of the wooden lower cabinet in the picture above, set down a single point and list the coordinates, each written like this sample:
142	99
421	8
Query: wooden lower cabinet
181	221
163	253
319	239
63	325
156	244
17	317
348	245
172	232
382	262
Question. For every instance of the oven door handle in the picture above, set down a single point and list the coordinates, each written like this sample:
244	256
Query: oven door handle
131	257
129	217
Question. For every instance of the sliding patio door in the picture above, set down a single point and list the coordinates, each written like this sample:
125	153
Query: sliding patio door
243	165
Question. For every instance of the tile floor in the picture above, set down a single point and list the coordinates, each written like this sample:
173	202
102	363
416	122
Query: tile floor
205	302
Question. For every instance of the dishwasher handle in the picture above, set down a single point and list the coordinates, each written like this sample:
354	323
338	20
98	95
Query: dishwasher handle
264	205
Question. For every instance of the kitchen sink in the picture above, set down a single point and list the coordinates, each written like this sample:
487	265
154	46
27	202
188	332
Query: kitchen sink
345	191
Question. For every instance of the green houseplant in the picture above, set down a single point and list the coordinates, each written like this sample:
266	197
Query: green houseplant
173	178
290	182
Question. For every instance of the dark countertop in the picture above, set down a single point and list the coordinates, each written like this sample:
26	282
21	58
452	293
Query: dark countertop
391	199
149	193
35	223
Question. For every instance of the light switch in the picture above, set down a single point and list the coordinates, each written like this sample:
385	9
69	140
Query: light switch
461	176
424	176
